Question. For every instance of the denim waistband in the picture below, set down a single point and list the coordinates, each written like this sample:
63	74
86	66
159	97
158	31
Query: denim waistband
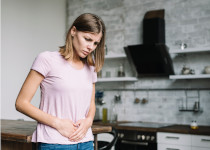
79	146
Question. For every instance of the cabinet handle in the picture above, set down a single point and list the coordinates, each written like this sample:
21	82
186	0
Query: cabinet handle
134	143
172	149
205	140
172	137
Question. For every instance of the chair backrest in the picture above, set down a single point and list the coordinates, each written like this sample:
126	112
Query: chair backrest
104	145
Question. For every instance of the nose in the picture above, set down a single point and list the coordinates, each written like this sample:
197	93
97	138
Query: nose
90	46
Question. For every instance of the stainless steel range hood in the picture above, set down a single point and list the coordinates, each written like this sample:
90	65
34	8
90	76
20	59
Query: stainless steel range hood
151	58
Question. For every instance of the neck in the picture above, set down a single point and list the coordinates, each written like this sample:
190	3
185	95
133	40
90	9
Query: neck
75	58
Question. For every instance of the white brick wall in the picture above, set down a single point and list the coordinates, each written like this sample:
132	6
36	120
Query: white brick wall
188	21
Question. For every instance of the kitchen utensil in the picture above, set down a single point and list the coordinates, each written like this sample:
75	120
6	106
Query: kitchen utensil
196	106
187	70
117	98
183	45
207	70
137	100
144	101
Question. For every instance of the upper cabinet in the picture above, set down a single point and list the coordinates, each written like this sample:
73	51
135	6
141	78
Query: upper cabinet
190	76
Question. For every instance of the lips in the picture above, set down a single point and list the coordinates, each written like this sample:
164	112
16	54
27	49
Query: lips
85	52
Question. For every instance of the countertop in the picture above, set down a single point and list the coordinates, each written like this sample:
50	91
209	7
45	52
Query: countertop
173	128
21	131
202	130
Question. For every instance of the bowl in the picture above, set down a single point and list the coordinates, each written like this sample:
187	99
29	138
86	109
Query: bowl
207	70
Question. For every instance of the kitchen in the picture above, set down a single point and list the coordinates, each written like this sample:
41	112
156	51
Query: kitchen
166	101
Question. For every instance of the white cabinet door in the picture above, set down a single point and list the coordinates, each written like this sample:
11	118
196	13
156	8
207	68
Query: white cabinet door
201	141
199	148
174	138
172	147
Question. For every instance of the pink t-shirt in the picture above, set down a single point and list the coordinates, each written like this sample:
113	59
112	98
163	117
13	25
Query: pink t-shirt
65	93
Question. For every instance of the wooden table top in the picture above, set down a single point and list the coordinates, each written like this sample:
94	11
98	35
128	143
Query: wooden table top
22	131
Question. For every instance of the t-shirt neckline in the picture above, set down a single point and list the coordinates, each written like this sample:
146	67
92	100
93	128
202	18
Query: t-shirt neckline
70	64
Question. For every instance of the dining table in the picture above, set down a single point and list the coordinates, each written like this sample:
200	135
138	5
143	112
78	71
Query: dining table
17	134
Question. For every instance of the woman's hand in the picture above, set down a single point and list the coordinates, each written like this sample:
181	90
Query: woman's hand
65	127
82	127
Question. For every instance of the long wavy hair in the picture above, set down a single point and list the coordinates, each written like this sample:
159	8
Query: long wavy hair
87	22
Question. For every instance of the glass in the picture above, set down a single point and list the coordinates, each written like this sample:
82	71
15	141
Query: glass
108	74
99	74
113	113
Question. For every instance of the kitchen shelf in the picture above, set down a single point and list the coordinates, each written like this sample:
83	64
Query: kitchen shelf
190	50
190	109
115	56
114	79
200	76
117	79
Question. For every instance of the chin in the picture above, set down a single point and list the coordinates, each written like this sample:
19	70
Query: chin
83	56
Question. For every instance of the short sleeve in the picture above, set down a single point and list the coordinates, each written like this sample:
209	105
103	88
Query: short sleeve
94	75
42	64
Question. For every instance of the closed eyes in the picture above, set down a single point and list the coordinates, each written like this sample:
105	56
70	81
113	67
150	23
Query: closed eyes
90	40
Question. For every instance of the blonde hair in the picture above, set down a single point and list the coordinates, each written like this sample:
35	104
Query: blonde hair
87	23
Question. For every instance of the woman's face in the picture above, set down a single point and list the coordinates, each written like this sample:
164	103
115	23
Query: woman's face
84	42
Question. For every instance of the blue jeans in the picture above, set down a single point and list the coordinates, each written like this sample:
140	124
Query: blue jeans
79	146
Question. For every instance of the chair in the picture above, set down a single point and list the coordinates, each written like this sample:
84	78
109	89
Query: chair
104	145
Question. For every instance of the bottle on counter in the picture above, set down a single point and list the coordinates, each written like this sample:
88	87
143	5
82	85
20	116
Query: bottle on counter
194	125
104	115
113	113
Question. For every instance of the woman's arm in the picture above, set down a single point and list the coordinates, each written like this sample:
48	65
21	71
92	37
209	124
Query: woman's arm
92	109
23	105
85	124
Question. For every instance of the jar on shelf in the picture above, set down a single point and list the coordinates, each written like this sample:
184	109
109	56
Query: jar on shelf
121	72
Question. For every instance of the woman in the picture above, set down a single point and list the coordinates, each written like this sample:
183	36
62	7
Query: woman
67	81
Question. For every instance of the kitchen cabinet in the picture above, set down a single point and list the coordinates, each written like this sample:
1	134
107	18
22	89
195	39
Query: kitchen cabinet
200	142
173	147
114	79
190	50
199	148
174	138
176	141
173	141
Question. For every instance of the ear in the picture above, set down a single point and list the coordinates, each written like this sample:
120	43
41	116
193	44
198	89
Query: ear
73	31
